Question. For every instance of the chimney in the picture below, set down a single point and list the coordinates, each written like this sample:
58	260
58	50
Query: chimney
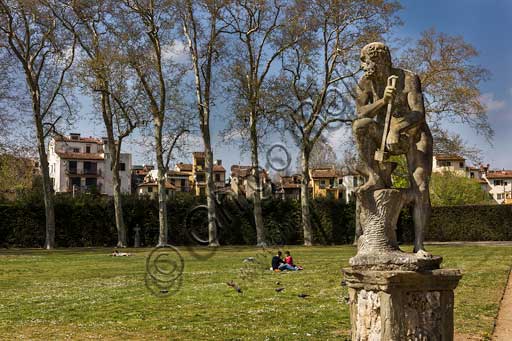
74	136
219	162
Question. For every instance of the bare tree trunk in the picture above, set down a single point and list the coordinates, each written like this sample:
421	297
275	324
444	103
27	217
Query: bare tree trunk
258	216
162	197
304	199
115	151
47	186
210	194
118	207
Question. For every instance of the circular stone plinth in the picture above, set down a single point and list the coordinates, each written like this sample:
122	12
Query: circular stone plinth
395	260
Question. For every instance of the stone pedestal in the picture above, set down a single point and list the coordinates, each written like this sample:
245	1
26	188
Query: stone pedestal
401	305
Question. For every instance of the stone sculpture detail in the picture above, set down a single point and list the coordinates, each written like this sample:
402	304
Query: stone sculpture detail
391	121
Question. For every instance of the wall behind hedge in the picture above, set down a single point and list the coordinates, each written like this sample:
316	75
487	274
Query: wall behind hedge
89	221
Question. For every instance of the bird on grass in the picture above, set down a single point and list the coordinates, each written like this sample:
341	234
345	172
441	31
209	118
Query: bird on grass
303	295
279	289
234	286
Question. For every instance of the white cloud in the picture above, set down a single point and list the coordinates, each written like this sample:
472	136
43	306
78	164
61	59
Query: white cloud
490	102
177	52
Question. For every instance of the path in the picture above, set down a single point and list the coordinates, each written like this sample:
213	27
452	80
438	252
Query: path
503	330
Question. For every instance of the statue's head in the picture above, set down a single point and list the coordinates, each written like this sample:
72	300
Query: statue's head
375	59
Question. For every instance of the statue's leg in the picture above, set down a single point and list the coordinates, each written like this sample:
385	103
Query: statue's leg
419	161
365	132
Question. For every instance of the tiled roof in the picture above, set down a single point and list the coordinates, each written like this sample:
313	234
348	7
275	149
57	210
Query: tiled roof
325	173
449	157
244	171
177	173
155	184
503	174
184	167
198	154
218	168
80	156
80	139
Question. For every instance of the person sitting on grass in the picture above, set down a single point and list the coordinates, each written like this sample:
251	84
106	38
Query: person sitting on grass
279	265
289	260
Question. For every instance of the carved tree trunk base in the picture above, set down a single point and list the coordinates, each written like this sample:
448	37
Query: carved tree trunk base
401	305
377	246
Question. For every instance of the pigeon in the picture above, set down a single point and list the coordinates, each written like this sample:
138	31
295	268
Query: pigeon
303	295
234	286
279	289
249	260
277	283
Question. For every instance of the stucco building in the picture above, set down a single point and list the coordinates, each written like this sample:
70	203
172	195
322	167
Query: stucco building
83	164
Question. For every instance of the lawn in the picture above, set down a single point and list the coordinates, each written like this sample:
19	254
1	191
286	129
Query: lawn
85	294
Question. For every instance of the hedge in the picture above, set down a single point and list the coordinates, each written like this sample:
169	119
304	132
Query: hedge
89	221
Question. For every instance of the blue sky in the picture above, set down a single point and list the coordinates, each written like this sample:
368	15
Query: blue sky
483	23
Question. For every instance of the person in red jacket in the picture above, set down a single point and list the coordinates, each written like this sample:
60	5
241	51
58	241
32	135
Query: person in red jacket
289	260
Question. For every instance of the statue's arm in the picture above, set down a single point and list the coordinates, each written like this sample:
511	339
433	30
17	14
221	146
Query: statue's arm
415	96
365	109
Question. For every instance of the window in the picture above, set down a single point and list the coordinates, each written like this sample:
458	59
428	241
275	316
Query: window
150	189
87	149
217	177
200	177
183	183
472	175
122	166
499	196
448	163
76	150
354	180
72	167
461	164
498	182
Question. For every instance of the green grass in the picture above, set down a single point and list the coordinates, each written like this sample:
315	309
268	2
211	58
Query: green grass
85	294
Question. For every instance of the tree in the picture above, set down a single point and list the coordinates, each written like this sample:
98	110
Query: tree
44	52
148	28
318	73
450	82
259	32
104	72
448	189
200	21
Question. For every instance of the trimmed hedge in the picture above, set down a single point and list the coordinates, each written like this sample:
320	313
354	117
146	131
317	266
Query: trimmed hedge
89	221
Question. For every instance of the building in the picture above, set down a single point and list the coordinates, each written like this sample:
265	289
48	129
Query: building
139	172
198	180
326	183
84	164
350	182
289	187
449	163
149	187
244	183
500	185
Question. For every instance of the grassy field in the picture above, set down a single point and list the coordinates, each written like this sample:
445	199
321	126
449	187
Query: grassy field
85	294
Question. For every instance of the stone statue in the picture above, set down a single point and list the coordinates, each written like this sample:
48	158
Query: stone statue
391	121
394	295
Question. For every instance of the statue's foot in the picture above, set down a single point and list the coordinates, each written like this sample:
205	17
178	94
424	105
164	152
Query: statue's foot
368	186
423	254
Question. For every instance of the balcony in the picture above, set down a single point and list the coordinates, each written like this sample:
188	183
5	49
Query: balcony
84	189
84	172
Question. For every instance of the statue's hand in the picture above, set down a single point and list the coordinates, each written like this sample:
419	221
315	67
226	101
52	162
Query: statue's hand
389	94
